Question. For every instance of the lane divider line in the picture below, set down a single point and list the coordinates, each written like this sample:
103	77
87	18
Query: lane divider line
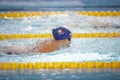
55	65
99	13
48	35
40	13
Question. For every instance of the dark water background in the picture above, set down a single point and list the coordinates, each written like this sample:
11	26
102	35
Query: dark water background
59	5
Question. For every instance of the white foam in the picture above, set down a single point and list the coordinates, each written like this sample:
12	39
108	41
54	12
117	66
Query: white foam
66	57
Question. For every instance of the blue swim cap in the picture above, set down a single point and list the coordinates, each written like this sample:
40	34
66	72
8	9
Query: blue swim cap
61	33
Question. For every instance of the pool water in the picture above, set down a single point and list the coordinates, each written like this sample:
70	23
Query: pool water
81	49
61	5
61	74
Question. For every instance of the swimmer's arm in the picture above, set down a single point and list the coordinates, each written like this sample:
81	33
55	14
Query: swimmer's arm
14	49
98	23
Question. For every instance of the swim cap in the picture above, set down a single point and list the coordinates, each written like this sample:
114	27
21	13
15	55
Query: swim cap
61	33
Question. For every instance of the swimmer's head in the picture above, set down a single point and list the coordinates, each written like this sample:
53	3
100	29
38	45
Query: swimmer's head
61	33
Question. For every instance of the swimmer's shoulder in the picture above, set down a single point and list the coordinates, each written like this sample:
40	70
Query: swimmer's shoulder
49	46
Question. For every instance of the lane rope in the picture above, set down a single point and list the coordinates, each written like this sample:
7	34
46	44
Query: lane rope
55	65
33	14
48	35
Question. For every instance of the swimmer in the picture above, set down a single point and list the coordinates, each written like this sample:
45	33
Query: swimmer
61	39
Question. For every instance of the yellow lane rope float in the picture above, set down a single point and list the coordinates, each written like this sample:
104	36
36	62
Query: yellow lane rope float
101	13
32	14
48	35
55	65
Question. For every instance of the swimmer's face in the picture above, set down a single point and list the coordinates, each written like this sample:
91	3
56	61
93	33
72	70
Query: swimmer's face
64	43
67	42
